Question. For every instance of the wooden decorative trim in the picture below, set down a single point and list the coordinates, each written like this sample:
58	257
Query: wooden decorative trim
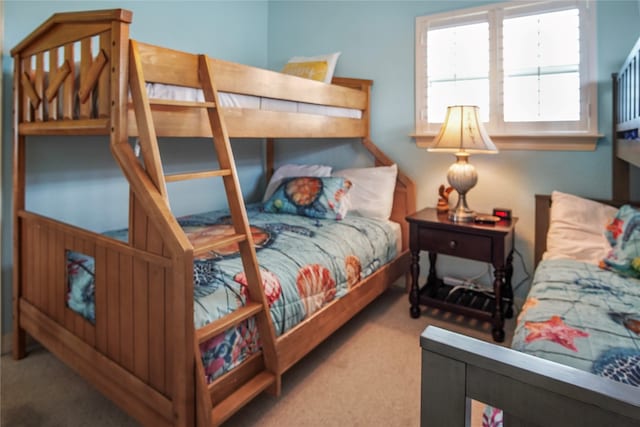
29	90
91	79
58	78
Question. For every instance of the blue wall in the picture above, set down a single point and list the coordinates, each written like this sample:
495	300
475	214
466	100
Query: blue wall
376	39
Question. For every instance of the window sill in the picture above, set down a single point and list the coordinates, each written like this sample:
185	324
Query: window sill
540	142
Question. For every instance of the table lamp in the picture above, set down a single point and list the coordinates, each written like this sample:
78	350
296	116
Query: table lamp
462	133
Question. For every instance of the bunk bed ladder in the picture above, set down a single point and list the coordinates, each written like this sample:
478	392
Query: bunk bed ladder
212	409
257	305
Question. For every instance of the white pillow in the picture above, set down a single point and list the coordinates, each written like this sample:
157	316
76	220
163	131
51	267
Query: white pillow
291	170
576	228
320	67
371	192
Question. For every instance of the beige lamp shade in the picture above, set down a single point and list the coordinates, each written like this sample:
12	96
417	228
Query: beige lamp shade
462	133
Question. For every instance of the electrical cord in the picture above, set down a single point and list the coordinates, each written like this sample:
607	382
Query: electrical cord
524	268
471	285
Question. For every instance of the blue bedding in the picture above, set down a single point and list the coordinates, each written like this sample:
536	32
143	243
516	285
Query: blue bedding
305	264
583	316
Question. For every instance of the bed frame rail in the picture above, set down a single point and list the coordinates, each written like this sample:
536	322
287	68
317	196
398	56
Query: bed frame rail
531	391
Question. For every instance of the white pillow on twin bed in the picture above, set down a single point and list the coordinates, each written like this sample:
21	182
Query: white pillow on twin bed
291	170
371	192
320	67
576	228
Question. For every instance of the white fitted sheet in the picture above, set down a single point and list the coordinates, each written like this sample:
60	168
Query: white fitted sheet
181	93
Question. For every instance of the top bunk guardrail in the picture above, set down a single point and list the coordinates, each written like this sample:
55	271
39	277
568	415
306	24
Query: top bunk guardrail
626	115
280	105
72	75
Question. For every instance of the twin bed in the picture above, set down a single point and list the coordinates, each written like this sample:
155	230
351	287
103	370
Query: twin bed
575	356
132	310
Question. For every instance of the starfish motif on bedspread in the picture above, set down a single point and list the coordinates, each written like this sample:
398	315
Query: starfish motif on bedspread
615	227
530	302
554	330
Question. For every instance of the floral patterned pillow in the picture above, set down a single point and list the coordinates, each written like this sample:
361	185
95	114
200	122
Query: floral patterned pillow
315	197
624	235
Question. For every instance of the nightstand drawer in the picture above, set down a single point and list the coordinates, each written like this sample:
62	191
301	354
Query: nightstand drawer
456	244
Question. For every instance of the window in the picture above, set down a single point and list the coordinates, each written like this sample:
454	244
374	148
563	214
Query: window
529	66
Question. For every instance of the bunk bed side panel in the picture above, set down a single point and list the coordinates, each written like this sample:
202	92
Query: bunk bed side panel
45	248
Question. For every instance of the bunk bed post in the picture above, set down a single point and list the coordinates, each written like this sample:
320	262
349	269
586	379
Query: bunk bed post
19	335
145	234
405	192
620	181
269	158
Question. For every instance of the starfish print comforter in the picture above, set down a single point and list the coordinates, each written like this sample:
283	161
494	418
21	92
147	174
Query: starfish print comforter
305	263
583	316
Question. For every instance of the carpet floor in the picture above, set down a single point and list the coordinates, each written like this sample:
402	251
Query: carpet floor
366	374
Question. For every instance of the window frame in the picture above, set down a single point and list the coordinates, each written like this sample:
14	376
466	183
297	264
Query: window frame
516	135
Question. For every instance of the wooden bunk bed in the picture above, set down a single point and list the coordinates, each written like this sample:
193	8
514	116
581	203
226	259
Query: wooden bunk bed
530	390
147	360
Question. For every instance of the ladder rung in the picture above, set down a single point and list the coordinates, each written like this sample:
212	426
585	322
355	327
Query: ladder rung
219	243
196	175
241	396
230	320
182	104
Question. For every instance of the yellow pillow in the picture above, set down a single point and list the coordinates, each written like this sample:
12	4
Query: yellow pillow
320	67
314	70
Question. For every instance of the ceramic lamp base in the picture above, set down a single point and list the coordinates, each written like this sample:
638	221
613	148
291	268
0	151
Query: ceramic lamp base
462	176
462	213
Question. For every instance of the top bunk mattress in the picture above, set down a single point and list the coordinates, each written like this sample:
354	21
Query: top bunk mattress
235	100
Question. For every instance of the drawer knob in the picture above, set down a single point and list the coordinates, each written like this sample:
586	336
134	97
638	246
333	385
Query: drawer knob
453	244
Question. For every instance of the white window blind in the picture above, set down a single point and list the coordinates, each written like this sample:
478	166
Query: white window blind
541	57
529	66
458	69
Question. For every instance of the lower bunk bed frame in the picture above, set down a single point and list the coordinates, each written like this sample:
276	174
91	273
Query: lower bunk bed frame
532	391
142	352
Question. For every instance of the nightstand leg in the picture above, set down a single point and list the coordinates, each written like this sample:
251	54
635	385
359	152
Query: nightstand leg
414	292
432	279
498	319
508	288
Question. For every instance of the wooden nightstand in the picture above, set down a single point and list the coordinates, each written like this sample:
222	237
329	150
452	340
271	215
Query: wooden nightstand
492	243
